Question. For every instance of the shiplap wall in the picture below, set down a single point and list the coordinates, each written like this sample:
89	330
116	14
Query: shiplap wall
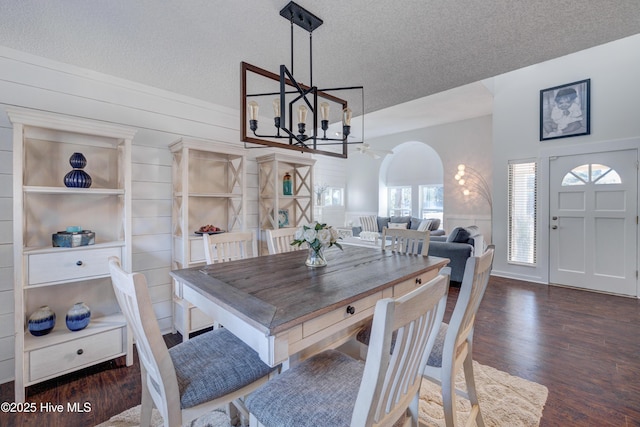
160	118
6	253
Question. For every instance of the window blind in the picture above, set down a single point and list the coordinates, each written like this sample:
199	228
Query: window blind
522	213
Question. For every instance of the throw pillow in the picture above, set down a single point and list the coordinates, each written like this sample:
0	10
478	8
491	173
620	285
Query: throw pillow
458	235
369	223
398	219
398	225
383	221
425	225
473	230
415	223
435	224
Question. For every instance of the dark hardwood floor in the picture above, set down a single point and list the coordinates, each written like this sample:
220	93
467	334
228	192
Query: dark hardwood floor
585	347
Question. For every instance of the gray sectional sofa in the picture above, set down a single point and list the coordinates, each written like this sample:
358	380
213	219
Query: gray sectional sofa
460	244
412	223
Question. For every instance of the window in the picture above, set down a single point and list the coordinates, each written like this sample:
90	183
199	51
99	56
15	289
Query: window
431	201
333	196
399	201
522	213
595	173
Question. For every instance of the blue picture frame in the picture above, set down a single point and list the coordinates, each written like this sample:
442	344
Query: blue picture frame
283	218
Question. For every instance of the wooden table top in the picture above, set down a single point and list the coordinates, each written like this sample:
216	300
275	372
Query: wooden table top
276	292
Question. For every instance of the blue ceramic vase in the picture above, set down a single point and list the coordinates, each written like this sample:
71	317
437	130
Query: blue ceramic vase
78	316
42	321
77	178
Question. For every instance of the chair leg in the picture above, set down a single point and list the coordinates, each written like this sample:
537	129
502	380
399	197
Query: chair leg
253	421
471	389
449	396
414	410
146	405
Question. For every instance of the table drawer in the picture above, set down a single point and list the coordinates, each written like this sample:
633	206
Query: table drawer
407	286
70	265
70	355
339	315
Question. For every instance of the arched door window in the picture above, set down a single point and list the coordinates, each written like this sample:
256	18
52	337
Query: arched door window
591	173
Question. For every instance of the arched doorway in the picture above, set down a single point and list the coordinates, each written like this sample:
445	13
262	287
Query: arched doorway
411	182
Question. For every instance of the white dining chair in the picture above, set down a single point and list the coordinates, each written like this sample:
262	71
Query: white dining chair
334	389
229	246
226	247
192	378
454	344
279	240
406	241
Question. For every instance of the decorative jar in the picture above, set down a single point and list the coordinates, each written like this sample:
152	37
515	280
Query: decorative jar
287	187
42	321
77	178
78	316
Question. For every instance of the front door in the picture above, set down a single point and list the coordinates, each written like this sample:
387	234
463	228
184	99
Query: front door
593	208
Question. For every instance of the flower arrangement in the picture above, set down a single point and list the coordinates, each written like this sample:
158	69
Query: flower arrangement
317	236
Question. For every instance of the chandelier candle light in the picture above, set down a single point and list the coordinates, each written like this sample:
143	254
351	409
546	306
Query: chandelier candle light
306	103
318	237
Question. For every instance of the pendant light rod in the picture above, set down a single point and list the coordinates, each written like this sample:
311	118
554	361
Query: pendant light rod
311	116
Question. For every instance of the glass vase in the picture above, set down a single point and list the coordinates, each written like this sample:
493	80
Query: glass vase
315	258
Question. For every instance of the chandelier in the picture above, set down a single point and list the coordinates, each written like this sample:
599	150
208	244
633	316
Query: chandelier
305	118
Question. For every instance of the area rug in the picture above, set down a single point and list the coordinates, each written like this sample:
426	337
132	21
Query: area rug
505	400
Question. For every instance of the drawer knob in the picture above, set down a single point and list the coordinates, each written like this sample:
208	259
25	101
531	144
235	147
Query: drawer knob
78	263
418	280
80	351
351	309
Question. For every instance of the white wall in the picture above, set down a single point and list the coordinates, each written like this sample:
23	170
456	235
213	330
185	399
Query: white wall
161	117
613	69
467	141
330	171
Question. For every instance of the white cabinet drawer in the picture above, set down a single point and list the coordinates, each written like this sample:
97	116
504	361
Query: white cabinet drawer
70	265
71	355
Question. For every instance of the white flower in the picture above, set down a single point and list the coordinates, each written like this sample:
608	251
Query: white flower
324	236
317	236
334	234
310	235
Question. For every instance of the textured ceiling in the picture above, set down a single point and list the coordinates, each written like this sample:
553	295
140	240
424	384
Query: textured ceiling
398	50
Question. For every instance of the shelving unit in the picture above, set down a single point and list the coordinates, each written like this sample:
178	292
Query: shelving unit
272	202
208	188
60	276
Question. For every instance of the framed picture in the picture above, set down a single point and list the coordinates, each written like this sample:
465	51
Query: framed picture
283	217
565	110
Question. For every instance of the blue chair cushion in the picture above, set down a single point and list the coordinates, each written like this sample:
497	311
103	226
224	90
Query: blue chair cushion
319	392
435	357
213	364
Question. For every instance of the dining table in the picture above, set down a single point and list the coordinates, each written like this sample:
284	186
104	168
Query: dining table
287	311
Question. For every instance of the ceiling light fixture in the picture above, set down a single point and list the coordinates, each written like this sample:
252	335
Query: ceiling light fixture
294	100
